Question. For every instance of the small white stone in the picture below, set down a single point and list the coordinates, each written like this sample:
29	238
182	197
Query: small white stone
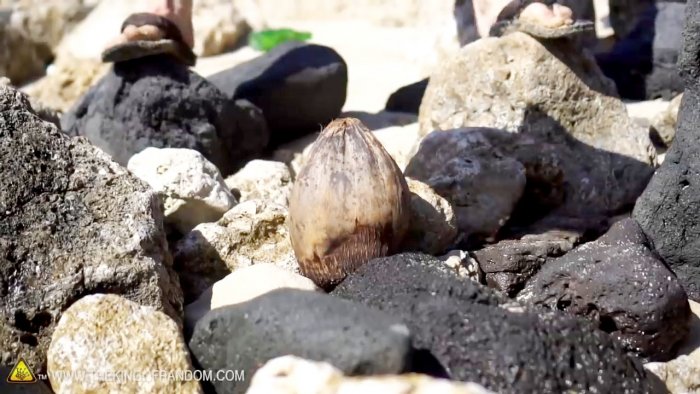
261	179
294	375
192	187
243	285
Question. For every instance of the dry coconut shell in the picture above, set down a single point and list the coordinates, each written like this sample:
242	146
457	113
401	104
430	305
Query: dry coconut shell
349	204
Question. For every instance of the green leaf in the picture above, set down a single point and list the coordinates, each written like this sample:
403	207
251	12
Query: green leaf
265	40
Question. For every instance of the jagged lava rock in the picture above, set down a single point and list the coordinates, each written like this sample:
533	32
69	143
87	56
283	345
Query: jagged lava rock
158	102
510	263
103	335
192	187
668	210
299	87
353	338
72	223
470	333
620	284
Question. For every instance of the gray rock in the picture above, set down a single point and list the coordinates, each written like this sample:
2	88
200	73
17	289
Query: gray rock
465	168
524	177
243	285
475	340
509	264
564	176
157	102
299	87
72	223
353	338
622	286
668	210
552	94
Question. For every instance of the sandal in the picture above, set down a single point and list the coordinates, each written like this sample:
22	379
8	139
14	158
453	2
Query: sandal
509	21
171	44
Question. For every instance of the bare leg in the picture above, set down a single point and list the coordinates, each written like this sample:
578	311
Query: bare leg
178	11
486	13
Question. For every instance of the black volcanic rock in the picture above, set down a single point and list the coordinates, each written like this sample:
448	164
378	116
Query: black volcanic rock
620	284
669	208
352	337
476	336
299	87
158	102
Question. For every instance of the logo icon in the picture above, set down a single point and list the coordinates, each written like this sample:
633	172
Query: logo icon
21	373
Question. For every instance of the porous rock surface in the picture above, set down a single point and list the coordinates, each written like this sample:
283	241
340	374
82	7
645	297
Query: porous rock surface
192	188
620	284
552	91
158	102
474	338
669	208
103	335
72	223
252	232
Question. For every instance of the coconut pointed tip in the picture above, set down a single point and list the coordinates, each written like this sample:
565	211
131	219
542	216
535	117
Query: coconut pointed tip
342	125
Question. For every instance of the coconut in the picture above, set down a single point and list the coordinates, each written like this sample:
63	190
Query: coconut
349	204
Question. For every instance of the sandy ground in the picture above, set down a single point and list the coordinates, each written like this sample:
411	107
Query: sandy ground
380	59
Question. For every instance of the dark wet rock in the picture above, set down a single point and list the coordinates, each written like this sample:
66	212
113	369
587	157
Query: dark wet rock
466	22
464	167
625	14
557	175
470	333
620	284
353	338
72	223
408	98
299	87
508	264
158	102
669	209
643	62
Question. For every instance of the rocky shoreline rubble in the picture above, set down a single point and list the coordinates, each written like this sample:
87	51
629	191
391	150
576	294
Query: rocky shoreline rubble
516	229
